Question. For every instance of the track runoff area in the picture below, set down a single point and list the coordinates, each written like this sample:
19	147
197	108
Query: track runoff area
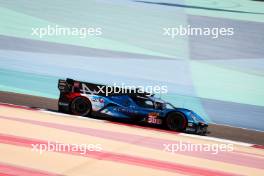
40	142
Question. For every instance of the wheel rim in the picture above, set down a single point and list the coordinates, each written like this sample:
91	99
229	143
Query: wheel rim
176	122
81	107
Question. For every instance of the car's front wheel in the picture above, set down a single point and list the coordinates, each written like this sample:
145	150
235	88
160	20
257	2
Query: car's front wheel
81	106
176	121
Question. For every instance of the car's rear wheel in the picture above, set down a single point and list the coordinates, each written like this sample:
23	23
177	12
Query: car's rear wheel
176	121
81	106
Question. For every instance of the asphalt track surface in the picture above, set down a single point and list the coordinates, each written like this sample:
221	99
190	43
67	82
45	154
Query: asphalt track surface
219	131
124	149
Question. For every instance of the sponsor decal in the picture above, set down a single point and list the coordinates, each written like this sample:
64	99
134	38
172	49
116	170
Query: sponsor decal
153	114
63	104
154	120
99	100
125	110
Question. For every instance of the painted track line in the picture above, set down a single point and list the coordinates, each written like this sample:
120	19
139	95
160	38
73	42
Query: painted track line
120	158
136	126
146	142
12	170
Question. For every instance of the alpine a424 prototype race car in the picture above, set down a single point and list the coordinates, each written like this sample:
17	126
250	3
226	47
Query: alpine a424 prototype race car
133	105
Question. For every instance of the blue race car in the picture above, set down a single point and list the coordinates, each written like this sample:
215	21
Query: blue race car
88	99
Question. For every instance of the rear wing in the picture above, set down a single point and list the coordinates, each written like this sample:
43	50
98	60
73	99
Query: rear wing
70	85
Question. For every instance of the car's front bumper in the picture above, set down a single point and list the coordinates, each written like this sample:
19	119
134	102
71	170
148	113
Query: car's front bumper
199	128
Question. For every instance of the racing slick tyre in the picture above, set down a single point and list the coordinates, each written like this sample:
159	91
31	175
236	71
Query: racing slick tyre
176	121
80	106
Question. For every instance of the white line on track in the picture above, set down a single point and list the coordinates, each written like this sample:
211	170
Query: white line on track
69	115
250	129
104	121
182	134
217	139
